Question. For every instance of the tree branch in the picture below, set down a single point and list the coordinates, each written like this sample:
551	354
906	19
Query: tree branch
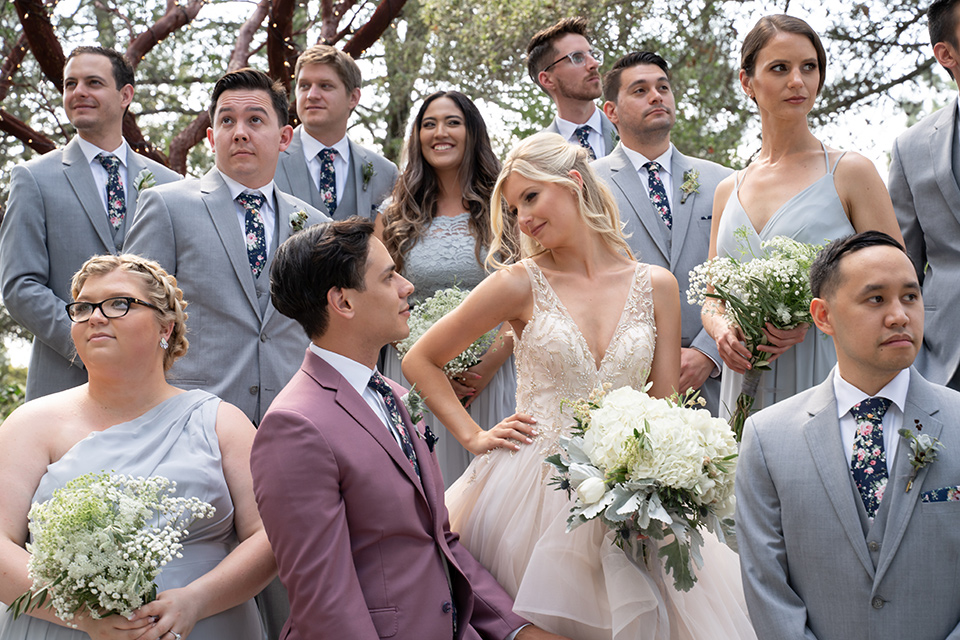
176	17
14	57
44	43
379	22
281	54
23	132
241	51
872	90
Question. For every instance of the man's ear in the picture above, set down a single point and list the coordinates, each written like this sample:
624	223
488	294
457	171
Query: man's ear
610	110
820	311
340	303
948	57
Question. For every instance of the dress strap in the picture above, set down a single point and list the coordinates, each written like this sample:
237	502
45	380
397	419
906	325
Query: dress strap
542	297
826	158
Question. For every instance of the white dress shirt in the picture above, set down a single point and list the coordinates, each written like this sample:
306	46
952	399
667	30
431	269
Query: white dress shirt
569	132
666	174
849	395
267	212
100	175
341	161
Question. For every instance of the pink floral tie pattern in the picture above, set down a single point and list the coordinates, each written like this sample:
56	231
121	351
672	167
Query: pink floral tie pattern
658	194
583	136
328	179
869	462
254	237
378	384
116	200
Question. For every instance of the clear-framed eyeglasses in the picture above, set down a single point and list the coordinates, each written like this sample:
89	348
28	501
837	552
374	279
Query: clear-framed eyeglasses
110	308
578	58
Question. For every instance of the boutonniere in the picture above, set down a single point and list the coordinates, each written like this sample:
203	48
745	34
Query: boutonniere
614	139
691	184
144	180
415	405
368	173
923	450
297	220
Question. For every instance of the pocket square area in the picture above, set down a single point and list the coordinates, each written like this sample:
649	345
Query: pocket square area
944	494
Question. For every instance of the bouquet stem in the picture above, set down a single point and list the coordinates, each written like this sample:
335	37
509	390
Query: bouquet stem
748	394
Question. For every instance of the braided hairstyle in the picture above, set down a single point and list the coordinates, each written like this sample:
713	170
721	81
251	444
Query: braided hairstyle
162	292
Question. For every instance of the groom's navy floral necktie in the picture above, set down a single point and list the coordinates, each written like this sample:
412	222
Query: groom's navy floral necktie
378	384
658	195
869	461
583	137
328	179
116	200
255	238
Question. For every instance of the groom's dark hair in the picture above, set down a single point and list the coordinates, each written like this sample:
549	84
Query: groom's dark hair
312	262
825	270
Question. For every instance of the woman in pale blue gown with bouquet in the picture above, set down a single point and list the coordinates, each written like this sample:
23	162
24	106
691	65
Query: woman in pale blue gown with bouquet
128	329
437	229
796	187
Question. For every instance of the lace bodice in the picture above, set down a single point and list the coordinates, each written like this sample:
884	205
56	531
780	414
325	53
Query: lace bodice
443	257
554	362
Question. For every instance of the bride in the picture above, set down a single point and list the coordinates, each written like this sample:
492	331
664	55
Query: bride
584	314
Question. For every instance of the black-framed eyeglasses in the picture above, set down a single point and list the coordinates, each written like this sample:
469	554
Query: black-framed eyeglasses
578	58
110	308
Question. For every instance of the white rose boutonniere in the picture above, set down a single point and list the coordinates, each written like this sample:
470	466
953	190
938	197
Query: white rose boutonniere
368	173
691	184
297	220
144	180
923	451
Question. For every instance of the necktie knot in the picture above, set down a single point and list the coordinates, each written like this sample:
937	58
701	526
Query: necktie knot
251	201
116	198
110	162
583	137
870	410
328	153
378	384
652	167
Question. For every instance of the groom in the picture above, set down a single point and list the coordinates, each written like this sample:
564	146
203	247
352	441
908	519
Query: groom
835	541
348	487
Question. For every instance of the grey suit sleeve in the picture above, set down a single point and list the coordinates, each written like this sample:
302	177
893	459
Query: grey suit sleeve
776	610
152	235
906	213
708	346
25	267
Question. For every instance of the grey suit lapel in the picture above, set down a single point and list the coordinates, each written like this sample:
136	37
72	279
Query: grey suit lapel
135	165
921	406
358	158
78	174
294	166
626	178
285	206
682	211
941	152
609	132
822	433
216	197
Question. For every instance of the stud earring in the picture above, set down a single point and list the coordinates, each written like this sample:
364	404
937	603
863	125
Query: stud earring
163	342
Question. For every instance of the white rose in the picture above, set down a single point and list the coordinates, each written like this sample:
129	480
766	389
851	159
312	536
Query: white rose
591	490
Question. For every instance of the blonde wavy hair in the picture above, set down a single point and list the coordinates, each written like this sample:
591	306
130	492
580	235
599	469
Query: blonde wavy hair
162	292
547	157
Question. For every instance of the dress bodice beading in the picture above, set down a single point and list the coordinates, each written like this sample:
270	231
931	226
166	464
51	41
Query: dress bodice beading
554	361
444	256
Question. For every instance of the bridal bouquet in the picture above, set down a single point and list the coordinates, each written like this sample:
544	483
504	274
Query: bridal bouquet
650	468
771	287
427	313
98	543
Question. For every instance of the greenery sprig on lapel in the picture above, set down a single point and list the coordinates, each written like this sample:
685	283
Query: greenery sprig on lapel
923	450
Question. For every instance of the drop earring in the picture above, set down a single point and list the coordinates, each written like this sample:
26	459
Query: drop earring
163	343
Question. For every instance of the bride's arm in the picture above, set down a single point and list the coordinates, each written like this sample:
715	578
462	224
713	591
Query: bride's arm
249	567
665	371
505	296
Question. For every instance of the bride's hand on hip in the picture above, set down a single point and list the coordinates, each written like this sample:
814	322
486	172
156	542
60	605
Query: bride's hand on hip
509	434
732	349
782	339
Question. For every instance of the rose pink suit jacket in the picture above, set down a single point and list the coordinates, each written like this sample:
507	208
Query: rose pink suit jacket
359	544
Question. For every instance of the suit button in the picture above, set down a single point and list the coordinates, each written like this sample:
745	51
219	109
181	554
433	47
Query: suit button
259	294
263	337
447	607
877	603
254	390
874	546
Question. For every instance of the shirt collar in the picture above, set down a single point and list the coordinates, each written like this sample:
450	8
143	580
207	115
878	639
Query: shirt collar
312	146
358	375
236	188
848	395
567	128
91	151
638	159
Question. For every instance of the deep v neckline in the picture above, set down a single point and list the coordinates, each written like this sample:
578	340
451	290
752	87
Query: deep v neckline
576	325
776	214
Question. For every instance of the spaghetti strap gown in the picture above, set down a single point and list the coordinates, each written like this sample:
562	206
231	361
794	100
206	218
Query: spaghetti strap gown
816	216
514	522
176	439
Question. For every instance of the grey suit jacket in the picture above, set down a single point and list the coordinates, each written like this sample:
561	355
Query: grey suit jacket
292	177
609	132
809	570
685	247
242	355
55	221
926	198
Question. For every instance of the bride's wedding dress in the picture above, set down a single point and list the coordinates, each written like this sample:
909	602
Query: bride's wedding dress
579	584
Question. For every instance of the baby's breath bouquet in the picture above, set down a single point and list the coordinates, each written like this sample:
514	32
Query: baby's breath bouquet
427	313
650	468
100	541
773	287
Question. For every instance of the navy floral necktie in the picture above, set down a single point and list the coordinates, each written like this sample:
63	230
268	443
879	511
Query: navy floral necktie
328	180
255	237
869	461
378	384
658	195
116	200
583	136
